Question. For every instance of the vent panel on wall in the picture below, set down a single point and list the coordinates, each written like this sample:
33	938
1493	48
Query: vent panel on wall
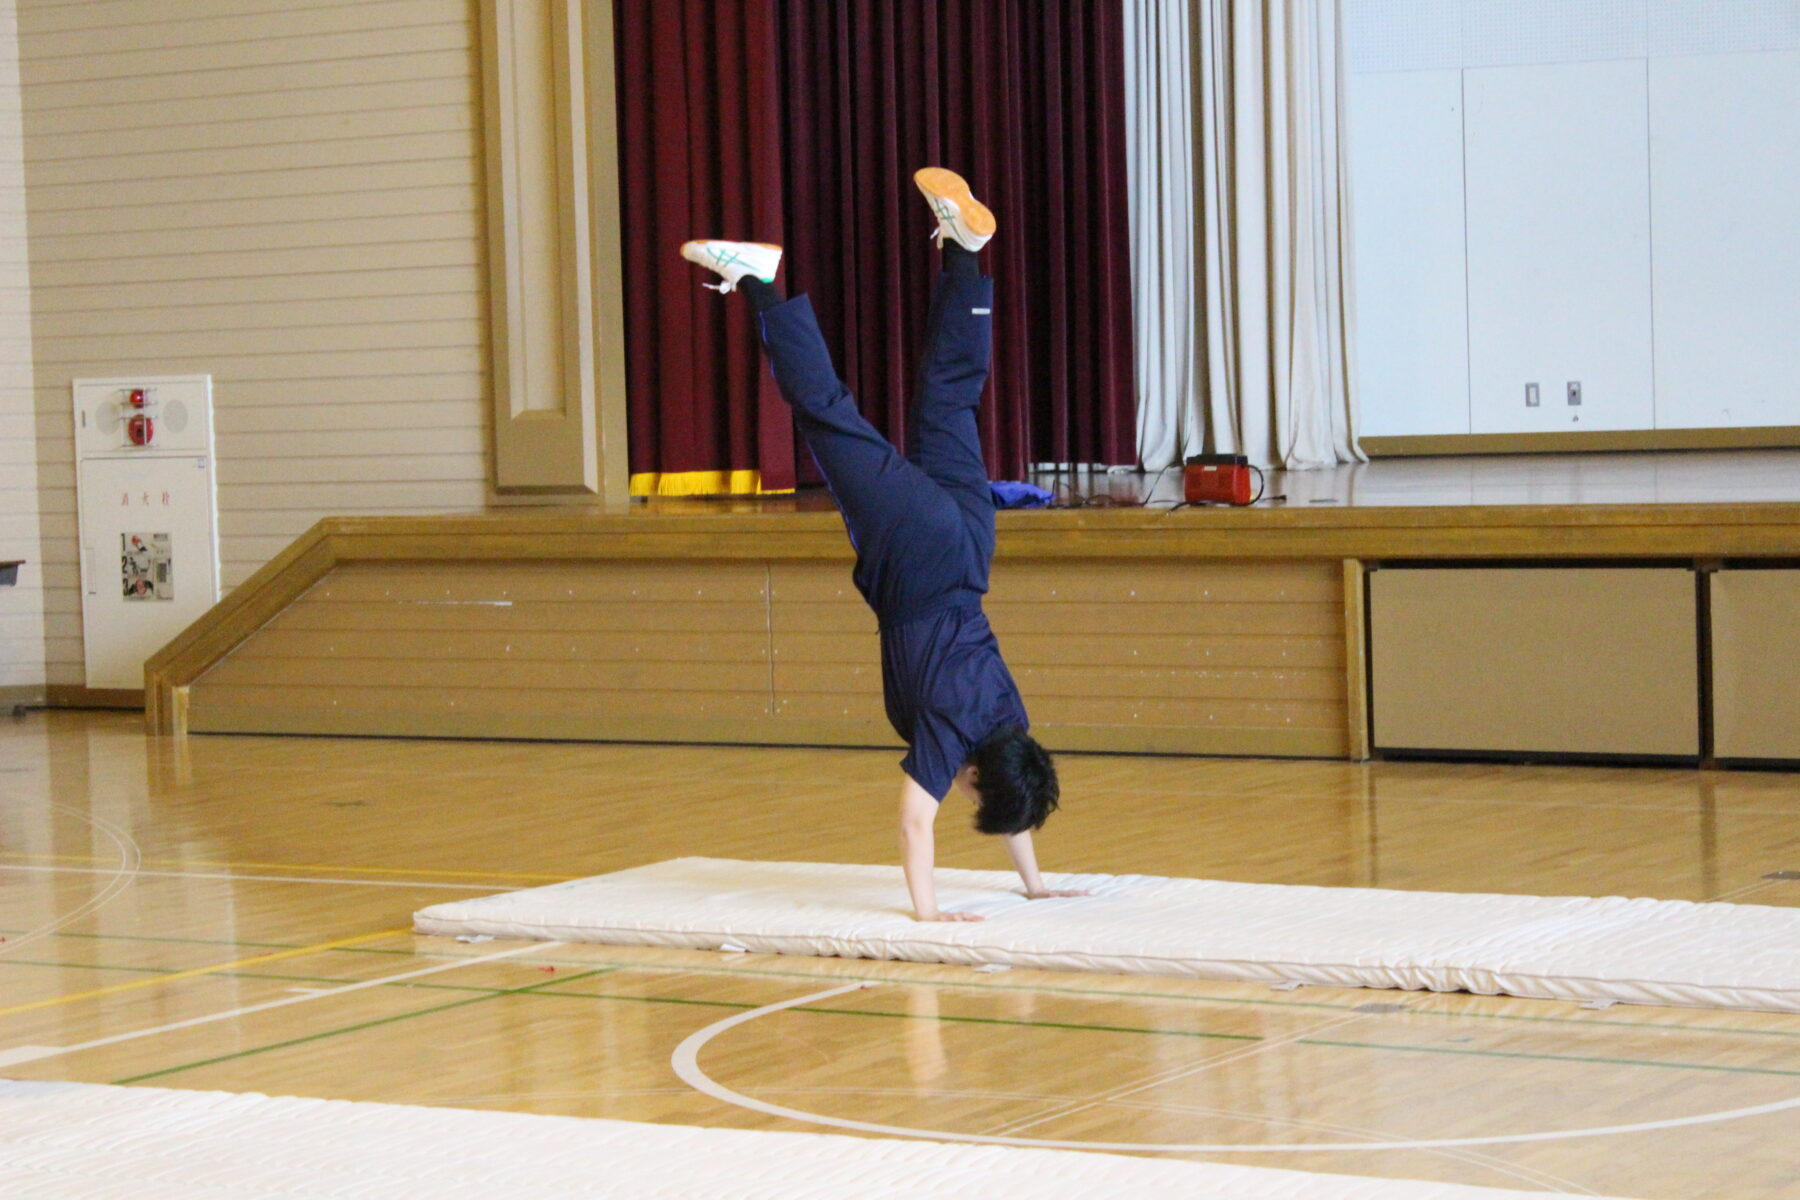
1426	35
1501	33
1402	35
1713	27
286	196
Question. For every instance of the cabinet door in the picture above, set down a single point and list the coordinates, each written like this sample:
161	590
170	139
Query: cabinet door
1559	246
1756	664
1725	153
149	560
1406	162
1555	660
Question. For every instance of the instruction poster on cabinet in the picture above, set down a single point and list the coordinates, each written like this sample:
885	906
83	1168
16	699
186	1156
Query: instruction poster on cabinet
146	566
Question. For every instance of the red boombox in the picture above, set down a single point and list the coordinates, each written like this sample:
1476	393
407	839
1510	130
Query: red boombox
1218	479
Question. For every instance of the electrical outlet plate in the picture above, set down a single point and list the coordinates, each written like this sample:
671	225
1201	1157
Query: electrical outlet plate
1574	393
1531	395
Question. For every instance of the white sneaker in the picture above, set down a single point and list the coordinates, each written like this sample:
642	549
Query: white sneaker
734	260
961	217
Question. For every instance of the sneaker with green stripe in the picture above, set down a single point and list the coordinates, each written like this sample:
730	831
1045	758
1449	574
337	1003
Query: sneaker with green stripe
732	261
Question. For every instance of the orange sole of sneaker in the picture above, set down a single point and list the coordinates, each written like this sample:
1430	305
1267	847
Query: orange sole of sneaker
941	181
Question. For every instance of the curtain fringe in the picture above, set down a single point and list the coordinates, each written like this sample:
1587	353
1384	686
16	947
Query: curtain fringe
702	483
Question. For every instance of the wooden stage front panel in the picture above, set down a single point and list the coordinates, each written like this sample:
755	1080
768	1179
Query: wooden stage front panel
1130	629
1111	654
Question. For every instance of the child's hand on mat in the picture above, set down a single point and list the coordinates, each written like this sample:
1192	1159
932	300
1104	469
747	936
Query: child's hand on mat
954	916
1054	894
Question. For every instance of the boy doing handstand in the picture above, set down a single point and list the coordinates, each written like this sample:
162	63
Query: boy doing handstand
922	527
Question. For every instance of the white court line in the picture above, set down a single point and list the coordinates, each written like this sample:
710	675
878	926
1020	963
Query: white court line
1176	1074
467	887
18	1054
686	1062
130	862
1749	889
1474	1158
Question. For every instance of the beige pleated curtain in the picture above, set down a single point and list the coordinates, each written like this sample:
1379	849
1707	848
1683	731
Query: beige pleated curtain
1240	231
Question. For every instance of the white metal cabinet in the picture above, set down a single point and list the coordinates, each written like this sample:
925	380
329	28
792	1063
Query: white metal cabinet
149	523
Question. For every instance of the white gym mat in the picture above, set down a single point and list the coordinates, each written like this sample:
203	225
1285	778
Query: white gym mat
1560	948
61	1140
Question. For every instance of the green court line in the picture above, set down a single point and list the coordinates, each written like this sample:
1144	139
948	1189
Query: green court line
28	962
142	937
977	985
258	975
738	1004
1193	1033
980	985
328	1033
139	937
541	990
1240	1037
1569	1058
870	1012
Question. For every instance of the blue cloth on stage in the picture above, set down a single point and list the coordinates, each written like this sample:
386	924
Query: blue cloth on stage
1018	495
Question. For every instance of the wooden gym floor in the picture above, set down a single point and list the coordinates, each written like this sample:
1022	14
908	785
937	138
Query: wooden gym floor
201	913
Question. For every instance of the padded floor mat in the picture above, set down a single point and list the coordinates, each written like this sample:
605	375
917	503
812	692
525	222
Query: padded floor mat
1668	952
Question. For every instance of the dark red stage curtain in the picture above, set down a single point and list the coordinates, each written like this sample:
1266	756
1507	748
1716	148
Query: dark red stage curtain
700	156
1027	99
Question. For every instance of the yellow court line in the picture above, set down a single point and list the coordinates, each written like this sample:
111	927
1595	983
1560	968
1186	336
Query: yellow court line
264	866
189	974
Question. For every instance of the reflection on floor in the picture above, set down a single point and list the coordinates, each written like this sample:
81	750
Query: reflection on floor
233	913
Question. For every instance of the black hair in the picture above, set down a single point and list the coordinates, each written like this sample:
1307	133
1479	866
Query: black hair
1016	781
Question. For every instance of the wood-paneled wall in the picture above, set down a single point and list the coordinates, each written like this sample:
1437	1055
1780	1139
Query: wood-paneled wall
21	606
285	194
1203	657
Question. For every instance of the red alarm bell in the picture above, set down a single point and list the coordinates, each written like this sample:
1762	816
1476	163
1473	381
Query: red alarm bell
141	430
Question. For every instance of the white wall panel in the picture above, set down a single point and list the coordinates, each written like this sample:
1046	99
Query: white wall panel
1725	155
1406	134
1558	246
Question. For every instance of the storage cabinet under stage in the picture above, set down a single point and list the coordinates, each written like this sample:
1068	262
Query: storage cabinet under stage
1535	660
1756	664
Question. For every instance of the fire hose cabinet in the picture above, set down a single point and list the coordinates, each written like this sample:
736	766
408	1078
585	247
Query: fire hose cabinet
147	497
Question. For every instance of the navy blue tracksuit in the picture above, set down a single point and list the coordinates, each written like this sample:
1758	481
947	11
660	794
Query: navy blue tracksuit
922	526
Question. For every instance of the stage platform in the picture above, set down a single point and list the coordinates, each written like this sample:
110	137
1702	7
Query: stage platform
1762	476
1132	625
